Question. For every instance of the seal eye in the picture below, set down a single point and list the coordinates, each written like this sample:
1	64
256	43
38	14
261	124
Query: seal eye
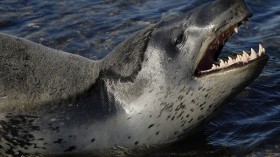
179	40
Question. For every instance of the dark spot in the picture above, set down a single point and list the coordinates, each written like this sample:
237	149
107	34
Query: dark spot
202	104
58	141
173	118
180	106
151	116
128	137
187	116
193	101
28	136
180	97
128	118
175	132
92	140
187	92
183	123
35	128
136	143
150	126
70	149
180	114
206	95
168	117
192	110
200	117
157	133
190	120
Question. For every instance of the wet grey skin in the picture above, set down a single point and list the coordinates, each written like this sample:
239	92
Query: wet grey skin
150	91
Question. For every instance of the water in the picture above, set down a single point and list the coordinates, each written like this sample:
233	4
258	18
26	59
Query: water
248	126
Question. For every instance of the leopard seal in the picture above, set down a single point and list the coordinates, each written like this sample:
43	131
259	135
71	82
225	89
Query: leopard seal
153	89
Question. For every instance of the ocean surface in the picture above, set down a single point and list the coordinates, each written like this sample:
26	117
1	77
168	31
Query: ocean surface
248	126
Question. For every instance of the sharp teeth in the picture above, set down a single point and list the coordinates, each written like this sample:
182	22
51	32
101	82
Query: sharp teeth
236	29
222	63
253	54
230	61
214	66
239	58
245	57
260	53
226	63
261	50
260	47
245	54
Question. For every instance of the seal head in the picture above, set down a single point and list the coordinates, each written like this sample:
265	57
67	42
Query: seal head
153	89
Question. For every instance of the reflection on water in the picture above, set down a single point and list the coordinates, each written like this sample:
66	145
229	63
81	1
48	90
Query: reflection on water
250	123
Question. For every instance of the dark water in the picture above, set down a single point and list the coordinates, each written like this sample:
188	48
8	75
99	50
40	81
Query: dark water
248	126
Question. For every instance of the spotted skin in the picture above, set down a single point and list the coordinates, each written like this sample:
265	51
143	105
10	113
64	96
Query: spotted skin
143	96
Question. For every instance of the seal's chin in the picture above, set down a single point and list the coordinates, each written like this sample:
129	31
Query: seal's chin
210	62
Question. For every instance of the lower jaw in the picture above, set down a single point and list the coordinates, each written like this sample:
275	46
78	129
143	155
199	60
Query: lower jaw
254	65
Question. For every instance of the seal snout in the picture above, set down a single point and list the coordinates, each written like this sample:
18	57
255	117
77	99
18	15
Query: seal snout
211	63
224	20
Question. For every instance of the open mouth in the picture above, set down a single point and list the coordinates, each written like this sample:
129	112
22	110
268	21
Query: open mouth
210	62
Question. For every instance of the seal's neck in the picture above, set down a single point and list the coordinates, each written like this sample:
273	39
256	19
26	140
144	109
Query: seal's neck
125	61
